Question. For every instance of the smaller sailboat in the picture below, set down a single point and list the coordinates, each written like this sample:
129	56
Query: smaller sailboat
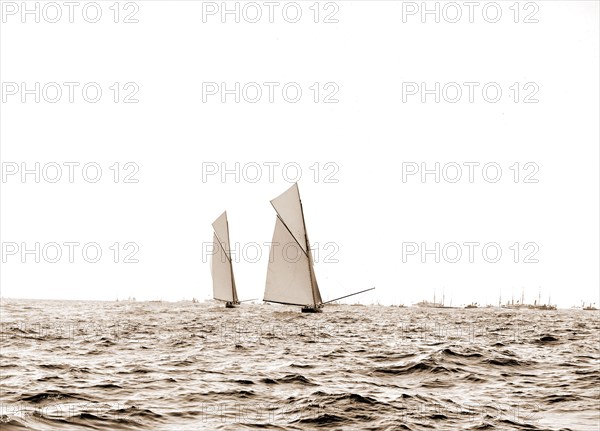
221	266
291	276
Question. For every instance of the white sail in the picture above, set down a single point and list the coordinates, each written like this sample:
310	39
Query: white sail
221	228
289	208
290	274
315	286
221	268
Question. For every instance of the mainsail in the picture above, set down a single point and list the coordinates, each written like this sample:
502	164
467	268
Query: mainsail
221	268
290	275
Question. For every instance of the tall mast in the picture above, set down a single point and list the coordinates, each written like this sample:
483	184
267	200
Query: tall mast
228	253
310	269
223	281
522	295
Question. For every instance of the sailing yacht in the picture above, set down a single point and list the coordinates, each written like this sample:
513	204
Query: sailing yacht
221	267
291	276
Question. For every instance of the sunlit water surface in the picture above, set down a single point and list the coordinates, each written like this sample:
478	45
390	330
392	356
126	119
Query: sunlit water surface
184	366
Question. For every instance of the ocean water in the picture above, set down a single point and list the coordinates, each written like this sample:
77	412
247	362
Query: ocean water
190	366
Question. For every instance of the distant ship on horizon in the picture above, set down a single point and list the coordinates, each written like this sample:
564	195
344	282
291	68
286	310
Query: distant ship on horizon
537	304
426	304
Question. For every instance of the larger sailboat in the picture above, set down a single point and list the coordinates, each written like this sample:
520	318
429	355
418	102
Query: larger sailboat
221	267
291	276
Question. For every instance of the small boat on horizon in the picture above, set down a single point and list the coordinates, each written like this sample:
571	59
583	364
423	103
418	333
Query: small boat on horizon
426	304
537	304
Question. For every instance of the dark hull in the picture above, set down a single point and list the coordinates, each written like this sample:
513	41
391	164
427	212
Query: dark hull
312	309
230	304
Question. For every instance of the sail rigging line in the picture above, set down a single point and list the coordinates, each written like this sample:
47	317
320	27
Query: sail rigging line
233	289
229	282
299	201
212	265
309	257
222	248
352	294
316	296
291	234
288	228
313	278
284	303
288	281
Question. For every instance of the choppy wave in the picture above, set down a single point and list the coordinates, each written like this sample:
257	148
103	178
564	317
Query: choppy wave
136	365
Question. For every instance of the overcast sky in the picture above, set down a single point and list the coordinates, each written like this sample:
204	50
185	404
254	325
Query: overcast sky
369	212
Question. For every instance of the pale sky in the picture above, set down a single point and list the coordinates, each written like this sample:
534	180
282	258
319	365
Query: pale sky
364	220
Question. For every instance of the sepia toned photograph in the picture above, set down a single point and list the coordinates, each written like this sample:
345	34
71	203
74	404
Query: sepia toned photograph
300	215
